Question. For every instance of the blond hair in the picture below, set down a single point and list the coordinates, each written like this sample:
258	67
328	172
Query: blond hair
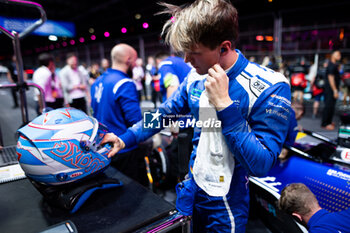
207	22
297	198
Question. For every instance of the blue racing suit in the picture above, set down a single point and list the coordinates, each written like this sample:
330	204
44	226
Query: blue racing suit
254	126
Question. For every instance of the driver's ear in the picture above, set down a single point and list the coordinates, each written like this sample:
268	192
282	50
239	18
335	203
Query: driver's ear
225	46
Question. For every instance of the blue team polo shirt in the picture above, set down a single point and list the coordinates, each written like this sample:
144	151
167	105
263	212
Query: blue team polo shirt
114	101
172	70
325	222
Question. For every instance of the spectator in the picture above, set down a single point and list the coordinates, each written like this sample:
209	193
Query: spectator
298	80
115	104
273	65
47	79
138	74
297	200
104	65
331	90
94	72
317	86
151	72
74	83
345	76
13	78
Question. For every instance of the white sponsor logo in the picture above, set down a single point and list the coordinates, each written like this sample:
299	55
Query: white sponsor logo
339	175
98	93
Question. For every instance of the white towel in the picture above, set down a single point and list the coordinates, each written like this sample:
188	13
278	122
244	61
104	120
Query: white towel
214	164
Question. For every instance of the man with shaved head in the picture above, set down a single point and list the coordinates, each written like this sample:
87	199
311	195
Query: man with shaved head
114	101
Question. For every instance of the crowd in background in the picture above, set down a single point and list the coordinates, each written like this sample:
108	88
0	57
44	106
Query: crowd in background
70	85
307	78
311	84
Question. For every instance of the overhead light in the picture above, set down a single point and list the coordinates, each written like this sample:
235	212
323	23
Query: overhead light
137	16
93	37
72	42
259	38
106	34
341	34
269	38
81	39
145	25
124	30
53	38
91	30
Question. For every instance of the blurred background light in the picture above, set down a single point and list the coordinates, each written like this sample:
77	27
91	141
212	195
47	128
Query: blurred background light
137	16
53	38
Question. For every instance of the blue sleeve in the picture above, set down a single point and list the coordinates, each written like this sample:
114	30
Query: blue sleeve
128	100
176	104
256	143
163	71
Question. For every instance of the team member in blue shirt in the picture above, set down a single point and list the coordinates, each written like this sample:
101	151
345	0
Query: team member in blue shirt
115	103
251	102
298	200
172	71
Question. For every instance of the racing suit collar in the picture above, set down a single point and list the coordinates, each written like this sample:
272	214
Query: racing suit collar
237	68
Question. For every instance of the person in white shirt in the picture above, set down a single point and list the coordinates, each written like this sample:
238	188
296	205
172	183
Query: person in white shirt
47	79
74	83
138	74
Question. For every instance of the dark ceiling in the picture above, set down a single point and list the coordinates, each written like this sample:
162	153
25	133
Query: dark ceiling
111	15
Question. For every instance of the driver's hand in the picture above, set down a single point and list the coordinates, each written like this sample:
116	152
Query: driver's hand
217	85
116	142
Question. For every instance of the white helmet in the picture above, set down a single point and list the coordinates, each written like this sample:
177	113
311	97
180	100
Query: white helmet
62	146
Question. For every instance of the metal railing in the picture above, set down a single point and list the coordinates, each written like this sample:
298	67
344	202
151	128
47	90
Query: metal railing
15	37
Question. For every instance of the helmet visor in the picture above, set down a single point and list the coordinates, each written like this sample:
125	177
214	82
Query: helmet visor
94	142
